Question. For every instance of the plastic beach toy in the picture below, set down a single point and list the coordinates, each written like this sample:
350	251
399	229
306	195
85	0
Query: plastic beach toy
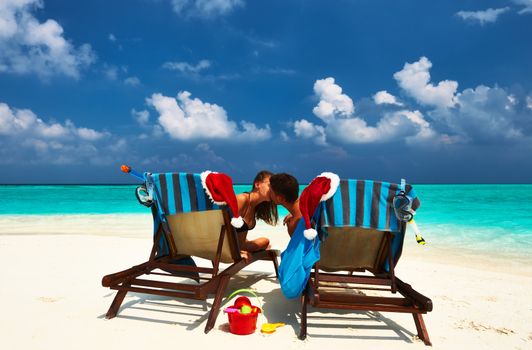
270	327
242	315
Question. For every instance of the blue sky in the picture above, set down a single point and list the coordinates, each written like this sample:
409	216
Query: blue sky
434	91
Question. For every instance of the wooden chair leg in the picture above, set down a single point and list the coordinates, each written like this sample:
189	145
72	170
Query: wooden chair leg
421	329
275	264
215	309
303	327
115	305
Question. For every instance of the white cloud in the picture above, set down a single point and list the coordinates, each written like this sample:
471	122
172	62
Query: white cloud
187	68
332	101
252	133
336	110
115	73
198	71
482	17
112	38
208	154
511	100
132	81
205	8
184	118
141	117
483	114
23	122
89	134
384	97
414	79
230	76
29	46
527	6
306	130
479	115
111	72
424	129
24	137
256	41
405	124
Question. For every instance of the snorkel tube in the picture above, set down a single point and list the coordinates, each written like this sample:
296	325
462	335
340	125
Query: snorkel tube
419	239
144	192
127	169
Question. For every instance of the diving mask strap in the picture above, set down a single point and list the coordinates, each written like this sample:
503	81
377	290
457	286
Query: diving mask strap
402	186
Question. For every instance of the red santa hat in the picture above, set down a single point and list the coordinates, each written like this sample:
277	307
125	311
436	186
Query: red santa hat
319	190
219	188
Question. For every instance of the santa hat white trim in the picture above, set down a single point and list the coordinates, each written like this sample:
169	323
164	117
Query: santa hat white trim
203	176
237	222
310	234
335	182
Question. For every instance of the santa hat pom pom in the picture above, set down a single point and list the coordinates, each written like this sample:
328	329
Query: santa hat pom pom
237	222
310	234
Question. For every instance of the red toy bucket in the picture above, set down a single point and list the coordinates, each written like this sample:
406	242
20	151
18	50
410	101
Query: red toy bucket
242	323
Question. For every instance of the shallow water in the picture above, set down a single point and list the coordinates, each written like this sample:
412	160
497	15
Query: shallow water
477	217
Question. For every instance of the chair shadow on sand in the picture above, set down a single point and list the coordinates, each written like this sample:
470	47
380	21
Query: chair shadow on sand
196	312
277	308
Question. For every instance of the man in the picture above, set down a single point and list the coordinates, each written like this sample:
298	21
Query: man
285	191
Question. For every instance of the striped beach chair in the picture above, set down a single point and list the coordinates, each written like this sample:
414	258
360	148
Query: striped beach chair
361	241
186	225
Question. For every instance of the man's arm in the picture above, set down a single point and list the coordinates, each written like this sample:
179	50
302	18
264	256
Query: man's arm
291	224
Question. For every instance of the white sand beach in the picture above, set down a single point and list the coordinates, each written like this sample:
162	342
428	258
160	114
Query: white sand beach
51	296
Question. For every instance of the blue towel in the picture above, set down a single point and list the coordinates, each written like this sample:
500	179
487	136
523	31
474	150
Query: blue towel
297	260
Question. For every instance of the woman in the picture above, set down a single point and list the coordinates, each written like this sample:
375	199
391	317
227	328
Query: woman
254	205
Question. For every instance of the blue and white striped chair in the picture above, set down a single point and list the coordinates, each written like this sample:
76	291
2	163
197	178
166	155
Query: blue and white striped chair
360	233
186	224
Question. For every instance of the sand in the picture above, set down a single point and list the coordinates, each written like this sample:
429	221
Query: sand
51	296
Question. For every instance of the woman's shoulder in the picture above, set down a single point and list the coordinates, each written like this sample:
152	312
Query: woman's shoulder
242	199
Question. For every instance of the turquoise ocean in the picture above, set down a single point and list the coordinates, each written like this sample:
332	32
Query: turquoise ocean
477	217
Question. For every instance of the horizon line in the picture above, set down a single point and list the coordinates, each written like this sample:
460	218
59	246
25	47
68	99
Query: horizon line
248	184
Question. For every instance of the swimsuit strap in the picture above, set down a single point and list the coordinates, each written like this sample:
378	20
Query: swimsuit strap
249	205
247	209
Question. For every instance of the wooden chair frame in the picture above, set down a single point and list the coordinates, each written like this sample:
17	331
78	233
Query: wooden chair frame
130	280
410	301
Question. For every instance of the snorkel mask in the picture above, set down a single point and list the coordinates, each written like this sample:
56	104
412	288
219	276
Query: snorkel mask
402	206
144	196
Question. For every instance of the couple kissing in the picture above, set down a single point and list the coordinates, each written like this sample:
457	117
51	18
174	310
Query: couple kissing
268	191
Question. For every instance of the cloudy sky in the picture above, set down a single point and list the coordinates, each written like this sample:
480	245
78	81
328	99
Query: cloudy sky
434	91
